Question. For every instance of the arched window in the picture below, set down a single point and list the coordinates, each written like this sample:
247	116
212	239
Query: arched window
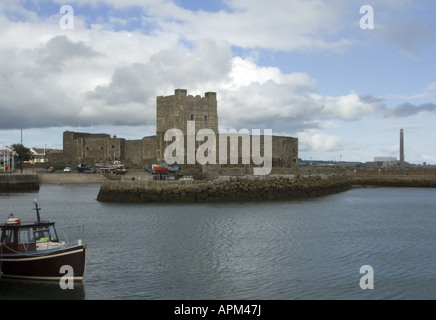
205	118
192	117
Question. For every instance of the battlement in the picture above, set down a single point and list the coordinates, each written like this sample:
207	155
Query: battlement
180	92
183	93
210	95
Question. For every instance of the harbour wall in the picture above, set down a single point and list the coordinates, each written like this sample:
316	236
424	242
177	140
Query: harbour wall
394	181
393	177
71	178
224	188
18	182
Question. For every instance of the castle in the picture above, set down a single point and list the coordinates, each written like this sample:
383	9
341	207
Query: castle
172	112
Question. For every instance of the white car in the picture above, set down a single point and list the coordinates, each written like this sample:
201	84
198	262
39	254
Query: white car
67	169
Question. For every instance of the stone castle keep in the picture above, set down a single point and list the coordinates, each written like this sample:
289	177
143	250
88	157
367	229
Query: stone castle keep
172	112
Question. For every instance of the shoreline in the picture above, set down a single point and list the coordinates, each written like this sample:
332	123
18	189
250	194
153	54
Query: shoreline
138	186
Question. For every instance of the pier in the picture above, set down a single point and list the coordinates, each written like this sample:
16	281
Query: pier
19	182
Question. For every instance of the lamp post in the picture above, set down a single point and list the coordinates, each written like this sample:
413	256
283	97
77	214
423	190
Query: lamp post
5	160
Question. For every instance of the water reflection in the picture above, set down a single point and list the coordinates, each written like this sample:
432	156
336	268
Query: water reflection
39	290
299	249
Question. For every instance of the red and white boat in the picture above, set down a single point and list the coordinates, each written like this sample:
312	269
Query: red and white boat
159	168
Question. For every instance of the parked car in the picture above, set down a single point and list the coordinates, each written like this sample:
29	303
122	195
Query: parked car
85	169
186	178
67	169
51	169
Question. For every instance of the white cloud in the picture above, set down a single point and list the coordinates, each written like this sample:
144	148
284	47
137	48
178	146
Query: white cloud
310	140
348	107
82	76
277	25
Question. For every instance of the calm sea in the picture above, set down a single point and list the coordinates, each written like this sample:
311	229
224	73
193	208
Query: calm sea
297	249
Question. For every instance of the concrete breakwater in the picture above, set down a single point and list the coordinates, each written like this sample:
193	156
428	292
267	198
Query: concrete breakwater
17	182
71	178
394	181
420	177
222	189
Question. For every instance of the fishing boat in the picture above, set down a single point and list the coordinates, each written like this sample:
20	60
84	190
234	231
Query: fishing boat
115	167
38	251
159	168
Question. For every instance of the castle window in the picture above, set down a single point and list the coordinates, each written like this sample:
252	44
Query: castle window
112	146
192	117
205	118
87	148
100	148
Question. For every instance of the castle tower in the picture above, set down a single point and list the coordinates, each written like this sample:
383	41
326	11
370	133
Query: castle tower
174	112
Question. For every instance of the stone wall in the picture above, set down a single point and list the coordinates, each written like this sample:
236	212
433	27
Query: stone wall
18	182
285	152
133	151
394	177
222	189
80	147
172	112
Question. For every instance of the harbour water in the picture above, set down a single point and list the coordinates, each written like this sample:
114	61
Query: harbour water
278	250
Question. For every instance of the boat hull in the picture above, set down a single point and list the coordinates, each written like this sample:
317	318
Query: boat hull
160	169
45	265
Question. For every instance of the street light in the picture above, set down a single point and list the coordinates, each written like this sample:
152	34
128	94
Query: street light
4	157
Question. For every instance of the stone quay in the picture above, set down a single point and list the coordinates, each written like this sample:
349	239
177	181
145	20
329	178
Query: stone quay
223	188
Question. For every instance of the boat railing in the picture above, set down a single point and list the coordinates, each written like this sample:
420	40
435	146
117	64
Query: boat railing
71	235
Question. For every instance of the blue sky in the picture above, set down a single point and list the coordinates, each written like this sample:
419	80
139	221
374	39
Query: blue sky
301	68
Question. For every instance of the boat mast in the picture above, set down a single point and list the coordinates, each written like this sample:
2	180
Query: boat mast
37	210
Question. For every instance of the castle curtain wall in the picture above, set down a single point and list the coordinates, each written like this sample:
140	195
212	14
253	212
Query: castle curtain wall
172	112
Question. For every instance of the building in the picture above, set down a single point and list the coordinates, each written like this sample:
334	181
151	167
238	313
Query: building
385	162
174	112
38	155
178	112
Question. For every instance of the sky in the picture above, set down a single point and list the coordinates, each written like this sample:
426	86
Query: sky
343	76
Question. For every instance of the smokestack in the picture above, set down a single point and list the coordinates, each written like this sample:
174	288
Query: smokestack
402	148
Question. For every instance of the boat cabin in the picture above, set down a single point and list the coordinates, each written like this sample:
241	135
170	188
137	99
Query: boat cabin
18	237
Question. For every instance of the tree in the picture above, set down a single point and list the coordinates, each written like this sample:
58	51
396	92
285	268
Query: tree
23	153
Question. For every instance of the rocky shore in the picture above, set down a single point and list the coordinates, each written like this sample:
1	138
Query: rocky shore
223	189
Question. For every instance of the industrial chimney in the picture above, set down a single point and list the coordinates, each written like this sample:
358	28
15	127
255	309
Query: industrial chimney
402	148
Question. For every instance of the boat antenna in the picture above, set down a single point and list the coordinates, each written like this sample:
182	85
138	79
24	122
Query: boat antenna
37	210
